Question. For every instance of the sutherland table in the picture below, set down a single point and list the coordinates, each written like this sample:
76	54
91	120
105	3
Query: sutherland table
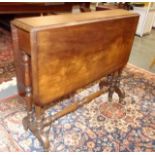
57	55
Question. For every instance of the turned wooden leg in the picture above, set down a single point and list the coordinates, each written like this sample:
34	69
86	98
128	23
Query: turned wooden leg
29	118
40	132
118	90
31	121
110	84
110	80
28	90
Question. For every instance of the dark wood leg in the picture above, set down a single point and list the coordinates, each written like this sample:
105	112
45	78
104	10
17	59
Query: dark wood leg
40	132
28	90
34	118
36	126
29	118
118	90
113	82
110	80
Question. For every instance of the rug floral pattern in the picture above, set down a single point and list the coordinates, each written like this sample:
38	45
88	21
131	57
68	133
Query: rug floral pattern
7	68
97	126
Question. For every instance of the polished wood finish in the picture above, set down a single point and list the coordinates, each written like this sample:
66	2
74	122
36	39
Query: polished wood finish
77	55
18	62
65	53
46	22
24	44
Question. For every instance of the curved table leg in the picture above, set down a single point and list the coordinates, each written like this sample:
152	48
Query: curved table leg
39	129
113	81
120	92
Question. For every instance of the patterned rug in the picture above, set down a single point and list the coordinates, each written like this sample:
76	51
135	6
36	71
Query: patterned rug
97	126
7	69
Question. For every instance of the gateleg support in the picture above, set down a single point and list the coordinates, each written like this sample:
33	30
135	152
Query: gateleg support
113	82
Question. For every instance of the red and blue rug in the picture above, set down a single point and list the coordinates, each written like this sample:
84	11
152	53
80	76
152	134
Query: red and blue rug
98	126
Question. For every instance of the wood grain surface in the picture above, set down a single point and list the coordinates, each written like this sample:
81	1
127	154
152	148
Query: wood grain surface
72	57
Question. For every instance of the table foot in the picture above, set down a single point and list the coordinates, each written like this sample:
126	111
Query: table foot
35	125
113	82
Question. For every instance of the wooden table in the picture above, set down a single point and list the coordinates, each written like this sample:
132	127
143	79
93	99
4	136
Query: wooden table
57	55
